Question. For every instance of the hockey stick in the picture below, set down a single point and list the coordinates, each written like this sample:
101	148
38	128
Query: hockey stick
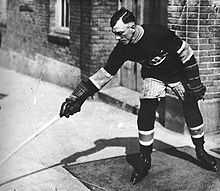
37	133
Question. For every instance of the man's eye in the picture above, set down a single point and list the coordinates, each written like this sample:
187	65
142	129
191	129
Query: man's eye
118	33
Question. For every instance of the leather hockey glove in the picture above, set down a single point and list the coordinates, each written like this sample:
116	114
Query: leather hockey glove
193	85
178	89
73	103
197	92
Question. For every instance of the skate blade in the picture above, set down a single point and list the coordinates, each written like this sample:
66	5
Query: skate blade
136	178
211	168
215	168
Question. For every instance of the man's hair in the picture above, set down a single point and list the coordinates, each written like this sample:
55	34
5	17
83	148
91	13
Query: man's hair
127	16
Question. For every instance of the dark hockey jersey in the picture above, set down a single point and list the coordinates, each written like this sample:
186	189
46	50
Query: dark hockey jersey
156	51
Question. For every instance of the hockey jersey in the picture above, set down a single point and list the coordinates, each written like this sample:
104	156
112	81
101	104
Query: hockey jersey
158	52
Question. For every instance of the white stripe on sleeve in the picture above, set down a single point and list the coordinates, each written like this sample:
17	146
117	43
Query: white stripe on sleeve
100	78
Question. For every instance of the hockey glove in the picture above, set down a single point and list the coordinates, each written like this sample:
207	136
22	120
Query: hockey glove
73	103
197	92
178	89
193	85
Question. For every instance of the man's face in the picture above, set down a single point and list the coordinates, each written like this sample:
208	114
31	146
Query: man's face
123	32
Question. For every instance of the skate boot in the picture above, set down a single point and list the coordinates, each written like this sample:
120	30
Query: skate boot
143	166
206	160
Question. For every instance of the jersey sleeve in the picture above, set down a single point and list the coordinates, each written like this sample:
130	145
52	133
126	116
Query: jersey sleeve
175	45
181	48
190	66
171	41
116	59
106	73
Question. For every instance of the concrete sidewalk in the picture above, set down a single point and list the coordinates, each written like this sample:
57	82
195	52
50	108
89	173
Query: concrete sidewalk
27	104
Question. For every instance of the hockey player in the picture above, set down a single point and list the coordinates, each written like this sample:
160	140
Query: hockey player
166	61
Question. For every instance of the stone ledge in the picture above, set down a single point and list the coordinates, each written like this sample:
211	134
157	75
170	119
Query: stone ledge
128	100
41	67
169	112
121	97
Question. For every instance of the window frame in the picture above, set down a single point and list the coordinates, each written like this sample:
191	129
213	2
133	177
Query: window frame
59	27
3	12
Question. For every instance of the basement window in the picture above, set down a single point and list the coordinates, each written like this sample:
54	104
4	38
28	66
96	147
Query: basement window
59	22
62	15
3	13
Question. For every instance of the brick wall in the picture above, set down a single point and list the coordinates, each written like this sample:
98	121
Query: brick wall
22	24
91	40
96	38
28	28
198	22
102	38
31	30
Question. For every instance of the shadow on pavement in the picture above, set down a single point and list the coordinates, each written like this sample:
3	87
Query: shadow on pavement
126	162
172	168
131	147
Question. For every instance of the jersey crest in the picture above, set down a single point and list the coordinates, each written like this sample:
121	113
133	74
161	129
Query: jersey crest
157	60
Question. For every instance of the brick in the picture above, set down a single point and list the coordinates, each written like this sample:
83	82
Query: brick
174	14
213	89
213	77
203	41
206	46
192	22
214	40
208	83
193	16
192	28
206	59
206	22
205	9
194	47
203	53
216	64
175	9
204	3
206	72
193	9
206	35
176	21
177	2
212	16
192	41
212	95
192	34
217	59
203	28
217	46
203	16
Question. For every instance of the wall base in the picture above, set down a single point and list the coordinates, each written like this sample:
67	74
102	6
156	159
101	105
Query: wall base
42	67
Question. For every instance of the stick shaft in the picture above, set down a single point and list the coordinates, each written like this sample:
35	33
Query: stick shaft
37	133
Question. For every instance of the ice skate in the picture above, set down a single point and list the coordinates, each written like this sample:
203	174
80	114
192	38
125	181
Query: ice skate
143	166
206	160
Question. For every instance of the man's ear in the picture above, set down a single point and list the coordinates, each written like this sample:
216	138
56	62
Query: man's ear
132	25
132	28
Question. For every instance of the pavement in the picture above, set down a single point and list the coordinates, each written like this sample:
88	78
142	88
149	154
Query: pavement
27	104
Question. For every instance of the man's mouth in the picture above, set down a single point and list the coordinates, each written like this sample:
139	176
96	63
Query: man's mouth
123	41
